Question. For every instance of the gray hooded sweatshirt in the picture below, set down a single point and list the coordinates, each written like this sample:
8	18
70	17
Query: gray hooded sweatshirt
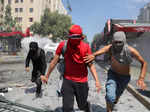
121	52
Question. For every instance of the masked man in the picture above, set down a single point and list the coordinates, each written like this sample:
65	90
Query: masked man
121	55
37	55
75	76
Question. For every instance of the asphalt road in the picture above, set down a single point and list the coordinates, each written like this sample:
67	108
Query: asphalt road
13	75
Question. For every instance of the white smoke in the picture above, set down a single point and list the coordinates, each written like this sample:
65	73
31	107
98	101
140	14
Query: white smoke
43	42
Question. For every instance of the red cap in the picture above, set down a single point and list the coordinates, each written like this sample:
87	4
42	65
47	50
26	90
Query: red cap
75	30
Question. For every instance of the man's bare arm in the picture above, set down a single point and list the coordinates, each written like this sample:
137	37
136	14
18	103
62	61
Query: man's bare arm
137	55
52	65
141	60
95	76
102	50
50	69
91	57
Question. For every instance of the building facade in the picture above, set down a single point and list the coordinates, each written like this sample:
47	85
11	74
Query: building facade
26	12
144	15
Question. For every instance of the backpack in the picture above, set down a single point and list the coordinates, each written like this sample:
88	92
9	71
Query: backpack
61	64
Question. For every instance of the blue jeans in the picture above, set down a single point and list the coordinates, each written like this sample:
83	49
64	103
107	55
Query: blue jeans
115	85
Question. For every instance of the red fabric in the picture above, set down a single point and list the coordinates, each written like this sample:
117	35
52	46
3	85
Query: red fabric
75	49
133	29
7	34
76	69
28	32
75	30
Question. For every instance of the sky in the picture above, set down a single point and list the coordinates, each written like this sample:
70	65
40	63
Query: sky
92	15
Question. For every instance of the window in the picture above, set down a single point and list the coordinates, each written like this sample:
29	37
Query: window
16	1
31	19
16	9
31	10
18	19
31	1
21	9
9	1
21	1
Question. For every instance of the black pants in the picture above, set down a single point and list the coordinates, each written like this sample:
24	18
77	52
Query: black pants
36	78
79	90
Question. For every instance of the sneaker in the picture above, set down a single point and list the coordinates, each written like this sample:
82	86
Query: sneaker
88	108
38	95
59	93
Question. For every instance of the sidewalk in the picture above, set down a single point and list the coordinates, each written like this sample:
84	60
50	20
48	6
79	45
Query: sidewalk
9	59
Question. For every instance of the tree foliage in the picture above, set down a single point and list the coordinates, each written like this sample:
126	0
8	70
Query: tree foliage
36	28
8	20
85	38
54	24
2	2
9	23
97	41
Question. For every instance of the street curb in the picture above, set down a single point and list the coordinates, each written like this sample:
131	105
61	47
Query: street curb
11	59
138	96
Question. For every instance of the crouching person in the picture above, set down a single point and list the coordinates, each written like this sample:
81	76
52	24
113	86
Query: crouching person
37	56
121	55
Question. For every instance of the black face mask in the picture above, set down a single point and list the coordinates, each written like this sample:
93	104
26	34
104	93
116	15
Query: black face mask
33	47
117	46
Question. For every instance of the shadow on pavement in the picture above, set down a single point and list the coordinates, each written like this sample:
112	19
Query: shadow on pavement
95	108
145	93
98	108
30	90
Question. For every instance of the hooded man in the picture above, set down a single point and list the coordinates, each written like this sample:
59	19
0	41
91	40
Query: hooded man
121	55
76	73
37	56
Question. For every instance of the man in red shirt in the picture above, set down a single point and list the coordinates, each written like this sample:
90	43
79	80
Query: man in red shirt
76	73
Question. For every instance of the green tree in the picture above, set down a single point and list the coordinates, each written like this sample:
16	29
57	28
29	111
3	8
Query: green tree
9	22
54	24
97	41
1	14
85	38
36	28
2	1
